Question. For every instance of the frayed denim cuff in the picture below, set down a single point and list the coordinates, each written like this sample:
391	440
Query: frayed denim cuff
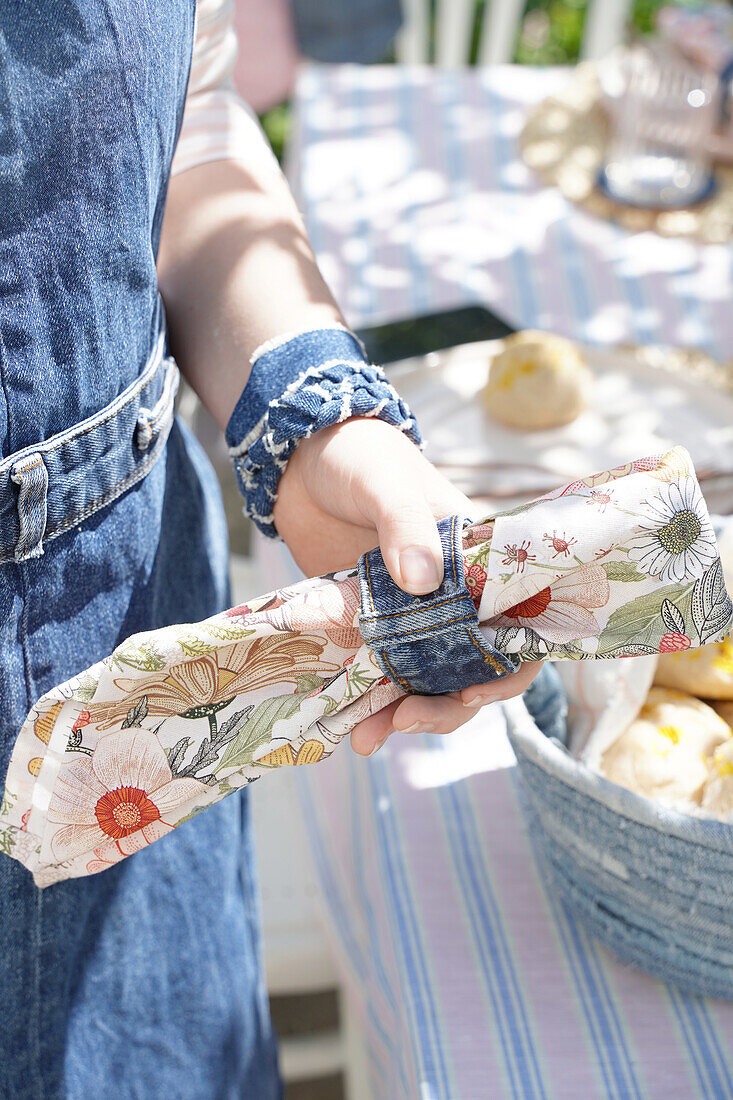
431	644
299	385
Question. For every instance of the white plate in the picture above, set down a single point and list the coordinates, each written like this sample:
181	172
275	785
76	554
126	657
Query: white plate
644	401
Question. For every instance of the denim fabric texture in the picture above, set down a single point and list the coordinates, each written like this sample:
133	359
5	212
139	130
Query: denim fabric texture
110	523
432	644
302	384
547	703
278	364
654	884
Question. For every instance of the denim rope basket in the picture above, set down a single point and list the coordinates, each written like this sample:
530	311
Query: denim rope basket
653	884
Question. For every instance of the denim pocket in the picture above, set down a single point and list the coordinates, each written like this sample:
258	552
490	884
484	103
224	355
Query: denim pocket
431	644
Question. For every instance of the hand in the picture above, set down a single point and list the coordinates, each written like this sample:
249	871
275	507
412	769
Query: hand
360	483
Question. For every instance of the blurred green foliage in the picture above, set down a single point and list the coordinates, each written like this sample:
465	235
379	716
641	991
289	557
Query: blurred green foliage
276	124
550	34
552	30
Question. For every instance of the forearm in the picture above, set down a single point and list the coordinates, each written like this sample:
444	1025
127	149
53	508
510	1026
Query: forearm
235	269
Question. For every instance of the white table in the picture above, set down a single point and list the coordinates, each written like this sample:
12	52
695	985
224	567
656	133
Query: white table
475	983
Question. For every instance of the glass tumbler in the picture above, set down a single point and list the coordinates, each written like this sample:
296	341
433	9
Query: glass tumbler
658	155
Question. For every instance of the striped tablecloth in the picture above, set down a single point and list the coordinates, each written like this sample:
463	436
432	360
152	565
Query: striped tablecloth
475	982
416	199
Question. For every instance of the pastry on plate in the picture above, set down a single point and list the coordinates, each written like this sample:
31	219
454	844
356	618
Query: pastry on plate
665	753
725	710
707	671
537	381
717	795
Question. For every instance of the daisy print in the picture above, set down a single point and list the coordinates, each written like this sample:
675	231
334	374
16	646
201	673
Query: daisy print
675	541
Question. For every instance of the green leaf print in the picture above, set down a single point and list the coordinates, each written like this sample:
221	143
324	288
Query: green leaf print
7	840
640	621
140	655
87	689
7	802
622	571
257	731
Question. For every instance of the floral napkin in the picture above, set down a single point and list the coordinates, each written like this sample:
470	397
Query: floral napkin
614	565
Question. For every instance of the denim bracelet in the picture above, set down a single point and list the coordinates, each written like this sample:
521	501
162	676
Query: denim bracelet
299	385
429	644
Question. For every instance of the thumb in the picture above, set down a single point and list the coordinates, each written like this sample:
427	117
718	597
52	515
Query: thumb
409	541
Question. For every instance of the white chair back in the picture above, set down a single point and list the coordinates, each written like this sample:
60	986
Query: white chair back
500	23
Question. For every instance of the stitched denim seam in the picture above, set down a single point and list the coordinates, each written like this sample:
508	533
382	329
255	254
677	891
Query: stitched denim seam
396	676
70	435
165	400
369	582
488	657
100	501
25	469
459	598
415	634
453	548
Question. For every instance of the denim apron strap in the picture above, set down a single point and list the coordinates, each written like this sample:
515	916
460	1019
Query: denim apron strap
429	644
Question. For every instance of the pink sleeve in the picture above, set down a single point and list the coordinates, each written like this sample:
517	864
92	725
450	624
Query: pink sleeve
217	123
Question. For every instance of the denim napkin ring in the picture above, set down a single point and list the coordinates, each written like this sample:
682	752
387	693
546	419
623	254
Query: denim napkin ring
429	644
298	385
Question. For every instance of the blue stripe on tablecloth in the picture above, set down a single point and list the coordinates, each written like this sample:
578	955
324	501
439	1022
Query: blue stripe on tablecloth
365	907
712	1071
503	150
362	230
490	942
600	1012
339	912
409	110
726	1069
688	1037
430	1055
577	276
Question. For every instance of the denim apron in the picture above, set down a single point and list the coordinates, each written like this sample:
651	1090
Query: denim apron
147	975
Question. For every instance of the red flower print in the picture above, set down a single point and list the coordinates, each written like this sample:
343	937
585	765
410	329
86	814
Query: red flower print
116	801
673	642
518	555
559	543
124	811
560	612
83	720
475	581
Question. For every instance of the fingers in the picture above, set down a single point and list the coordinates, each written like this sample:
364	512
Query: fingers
437	713
409	541
371	733
506	688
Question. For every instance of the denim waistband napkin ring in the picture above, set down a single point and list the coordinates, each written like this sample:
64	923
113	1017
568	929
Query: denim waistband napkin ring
428	644
620	563
31	477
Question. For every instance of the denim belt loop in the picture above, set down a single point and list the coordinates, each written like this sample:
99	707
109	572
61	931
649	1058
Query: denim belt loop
432	644
31	475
